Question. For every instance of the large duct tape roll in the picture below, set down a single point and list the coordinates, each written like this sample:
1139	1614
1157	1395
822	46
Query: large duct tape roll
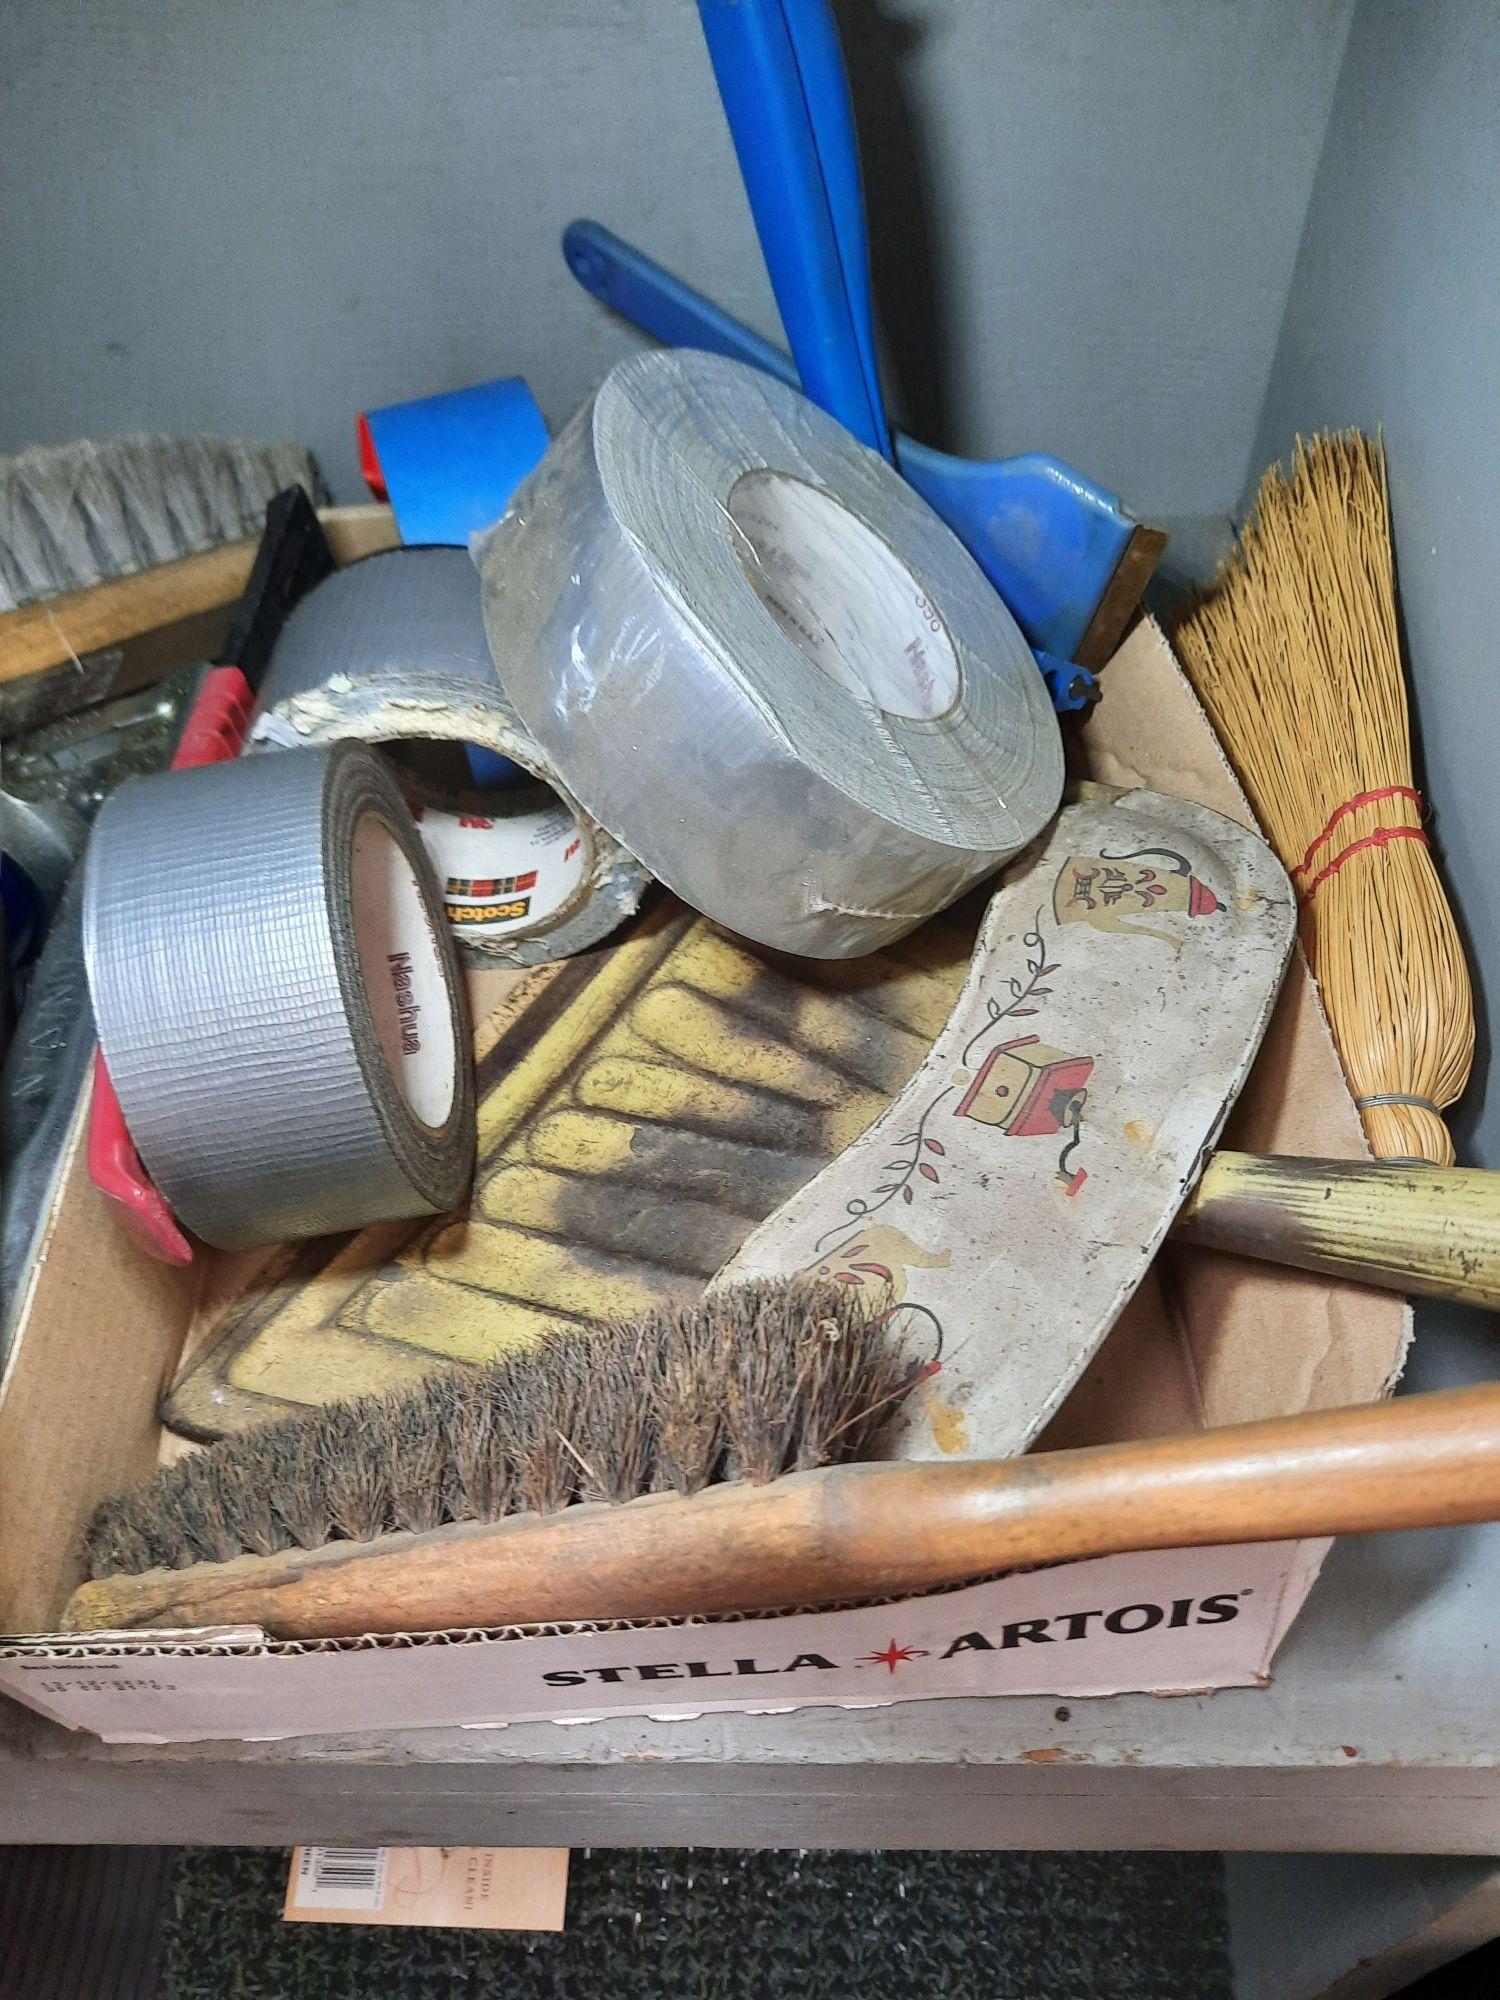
392	651
761	661
278	998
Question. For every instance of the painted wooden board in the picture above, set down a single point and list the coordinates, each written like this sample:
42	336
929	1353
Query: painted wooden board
637	1118
1012	1196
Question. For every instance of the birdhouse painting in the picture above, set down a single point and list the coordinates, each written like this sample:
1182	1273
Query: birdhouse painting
1027	1089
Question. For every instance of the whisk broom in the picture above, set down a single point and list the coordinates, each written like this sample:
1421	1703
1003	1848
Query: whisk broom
688	1461
1294	652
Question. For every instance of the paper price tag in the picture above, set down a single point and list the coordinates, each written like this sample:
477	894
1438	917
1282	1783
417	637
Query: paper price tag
338	1878
461	1888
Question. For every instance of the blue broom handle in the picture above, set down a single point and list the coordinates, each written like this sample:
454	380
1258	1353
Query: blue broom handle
781	77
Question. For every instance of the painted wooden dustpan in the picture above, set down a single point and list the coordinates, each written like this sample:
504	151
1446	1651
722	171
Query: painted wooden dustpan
1011	1198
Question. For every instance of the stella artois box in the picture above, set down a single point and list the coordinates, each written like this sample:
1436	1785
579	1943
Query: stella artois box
1206	1340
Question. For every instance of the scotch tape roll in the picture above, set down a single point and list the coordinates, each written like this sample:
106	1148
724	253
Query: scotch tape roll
392	651
763	663
278	998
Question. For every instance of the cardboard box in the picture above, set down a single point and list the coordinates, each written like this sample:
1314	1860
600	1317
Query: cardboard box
1208	1340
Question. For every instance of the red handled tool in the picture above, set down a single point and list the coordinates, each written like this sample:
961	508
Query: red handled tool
292	557
369	460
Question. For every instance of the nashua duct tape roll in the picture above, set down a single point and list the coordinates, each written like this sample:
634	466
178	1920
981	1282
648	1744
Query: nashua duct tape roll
761	661
392	651
278	998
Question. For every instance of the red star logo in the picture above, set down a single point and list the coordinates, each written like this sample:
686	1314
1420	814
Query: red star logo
893	1655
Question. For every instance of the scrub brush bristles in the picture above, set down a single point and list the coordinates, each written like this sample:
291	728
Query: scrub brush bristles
752	1382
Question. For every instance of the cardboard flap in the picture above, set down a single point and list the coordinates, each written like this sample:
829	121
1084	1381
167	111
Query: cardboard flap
1257	1341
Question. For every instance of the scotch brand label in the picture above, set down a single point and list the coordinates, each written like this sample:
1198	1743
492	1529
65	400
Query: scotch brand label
504	874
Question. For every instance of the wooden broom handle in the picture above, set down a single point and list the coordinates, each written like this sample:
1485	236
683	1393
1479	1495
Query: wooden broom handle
858	1531
1430	1231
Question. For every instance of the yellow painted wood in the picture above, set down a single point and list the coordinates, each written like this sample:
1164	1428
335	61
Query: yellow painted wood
294	1375
501	1261
439	1322
528	1196
1430	1231
631	1089
699	1028
683	1092
635	1223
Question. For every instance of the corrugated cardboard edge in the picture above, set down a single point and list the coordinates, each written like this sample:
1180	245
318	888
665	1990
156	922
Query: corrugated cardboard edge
1176	1621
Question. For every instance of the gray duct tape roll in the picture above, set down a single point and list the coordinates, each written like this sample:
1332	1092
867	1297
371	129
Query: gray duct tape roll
763	662
392	651
278	998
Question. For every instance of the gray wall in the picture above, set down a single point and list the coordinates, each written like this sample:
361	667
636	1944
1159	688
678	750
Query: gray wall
256	215
1394	318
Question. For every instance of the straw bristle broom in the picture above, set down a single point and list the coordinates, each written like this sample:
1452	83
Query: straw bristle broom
1294	652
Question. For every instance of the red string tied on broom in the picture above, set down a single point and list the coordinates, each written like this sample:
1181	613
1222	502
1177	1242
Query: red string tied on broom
1381	837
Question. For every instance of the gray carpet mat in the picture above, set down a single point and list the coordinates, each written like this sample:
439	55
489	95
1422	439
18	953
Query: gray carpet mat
722	1924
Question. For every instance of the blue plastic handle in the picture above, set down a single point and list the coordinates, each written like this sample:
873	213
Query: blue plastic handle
629	283
781	77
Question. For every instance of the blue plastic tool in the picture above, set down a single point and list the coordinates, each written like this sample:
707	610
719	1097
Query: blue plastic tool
1068	560
780	72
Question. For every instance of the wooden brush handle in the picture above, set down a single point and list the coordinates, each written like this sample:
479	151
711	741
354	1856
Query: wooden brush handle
1430	1231
857	1531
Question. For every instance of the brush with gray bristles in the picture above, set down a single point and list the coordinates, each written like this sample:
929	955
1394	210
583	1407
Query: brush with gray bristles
77	514
686	1463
